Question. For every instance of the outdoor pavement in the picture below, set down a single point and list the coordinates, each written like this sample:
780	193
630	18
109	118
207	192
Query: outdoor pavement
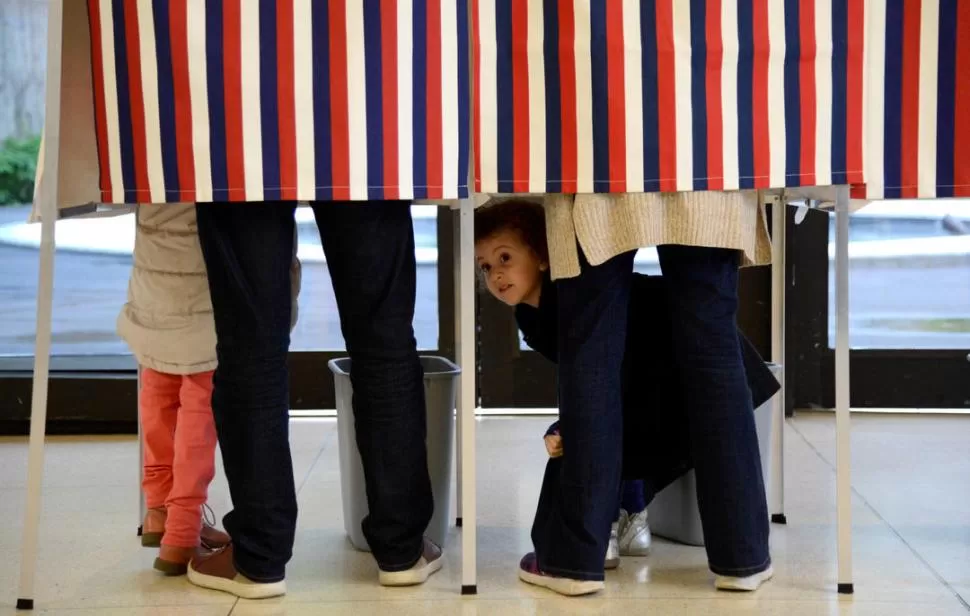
895	296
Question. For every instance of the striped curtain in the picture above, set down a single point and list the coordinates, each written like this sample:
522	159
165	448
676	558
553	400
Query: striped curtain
918	107
667	95
253	100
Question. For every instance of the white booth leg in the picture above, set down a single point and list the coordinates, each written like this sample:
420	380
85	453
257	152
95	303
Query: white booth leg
842	400
456	268
467	478
47	196
38	415
776	489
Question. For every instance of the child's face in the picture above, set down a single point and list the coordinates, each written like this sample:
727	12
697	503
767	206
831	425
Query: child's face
512	270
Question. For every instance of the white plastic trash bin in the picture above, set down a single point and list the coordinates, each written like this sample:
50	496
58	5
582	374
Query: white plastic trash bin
440	386
674	515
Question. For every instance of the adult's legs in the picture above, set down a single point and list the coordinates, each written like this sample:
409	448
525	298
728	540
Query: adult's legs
248	249
370	254
592	330
703	299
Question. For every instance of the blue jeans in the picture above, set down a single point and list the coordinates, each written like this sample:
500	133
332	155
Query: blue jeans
702	287
577	504
248	250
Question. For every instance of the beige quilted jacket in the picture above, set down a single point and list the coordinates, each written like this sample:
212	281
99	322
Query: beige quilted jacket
167	320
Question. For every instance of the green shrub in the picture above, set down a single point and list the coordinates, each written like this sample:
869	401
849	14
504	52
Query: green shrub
18	164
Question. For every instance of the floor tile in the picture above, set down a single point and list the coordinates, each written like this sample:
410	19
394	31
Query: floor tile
903	539
167	610
914	470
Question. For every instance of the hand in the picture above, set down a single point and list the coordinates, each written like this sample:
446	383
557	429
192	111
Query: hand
553	445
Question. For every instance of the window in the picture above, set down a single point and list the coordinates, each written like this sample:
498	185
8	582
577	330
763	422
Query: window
909	276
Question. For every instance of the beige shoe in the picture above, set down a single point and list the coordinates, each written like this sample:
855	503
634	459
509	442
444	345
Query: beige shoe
749	583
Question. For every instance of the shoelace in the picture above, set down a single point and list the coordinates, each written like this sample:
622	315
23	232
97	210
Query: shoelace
208	515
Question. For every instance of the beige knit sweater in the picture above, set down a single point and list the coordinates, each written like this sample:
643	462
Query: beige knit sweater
606	225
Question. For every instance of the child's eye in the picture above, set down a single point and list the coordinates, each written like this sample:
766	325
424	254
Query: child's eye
504	258
485	268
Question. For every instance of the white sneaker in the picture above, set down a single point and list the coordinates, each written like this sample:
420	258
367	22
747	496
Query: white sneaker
743	584
634	534
613	550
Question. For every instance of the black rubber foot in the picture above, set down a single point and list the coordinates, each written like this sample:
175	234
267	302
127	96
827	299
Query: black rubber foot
25	604
846	589
458	522
779	518
139	531
469	590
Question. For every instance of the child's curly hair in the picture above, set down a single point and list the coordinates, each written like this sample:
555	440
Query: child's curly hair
523	217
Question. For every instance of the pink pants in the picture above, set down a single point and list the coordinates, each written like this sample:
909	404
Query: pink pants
180	445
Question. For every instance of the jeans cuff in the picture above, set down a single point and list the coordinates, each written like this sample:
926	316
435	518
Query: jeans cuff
259	579
742	571
403	566
586	576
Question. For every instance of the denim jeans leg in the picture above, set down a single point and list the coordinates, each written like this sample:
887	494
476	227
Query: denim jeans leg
248	248
702	289
370	254
592	330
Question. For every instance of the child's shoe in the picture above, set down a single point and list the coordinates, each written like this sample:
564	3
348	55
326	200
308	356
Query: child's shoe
153	527
634	534
530	574
613	549
173	560
211	537
744	584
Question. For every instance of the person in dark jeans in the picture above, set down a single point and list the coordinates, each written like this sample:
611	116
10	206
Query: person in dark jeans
605	330
701	285
513	259
369	247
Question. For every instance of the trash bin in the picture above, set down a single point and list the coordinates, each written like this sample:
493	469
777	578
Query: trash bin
674	515
440	386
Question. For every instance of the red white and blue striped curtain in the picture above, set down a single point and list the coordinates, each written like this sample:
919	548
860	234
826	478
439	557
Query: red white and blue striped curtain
233	100
918	107
667	95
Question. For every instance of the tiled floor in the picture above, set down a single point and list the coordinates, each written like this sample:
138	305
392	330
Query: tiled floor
911	522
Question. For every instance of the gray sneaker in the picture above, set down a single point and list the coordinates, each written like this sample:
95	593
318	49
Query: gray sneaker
613	550
634	534
429	563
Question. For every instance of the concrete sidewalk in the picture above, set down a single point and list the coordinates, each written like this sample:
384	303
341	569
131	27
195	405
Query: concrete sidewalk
116	235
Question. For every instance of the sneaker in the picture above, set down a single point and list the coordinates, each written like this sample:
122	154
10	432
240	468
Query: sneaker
153	529
634	533
613	549
743	584
217	571
530	573
429	563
